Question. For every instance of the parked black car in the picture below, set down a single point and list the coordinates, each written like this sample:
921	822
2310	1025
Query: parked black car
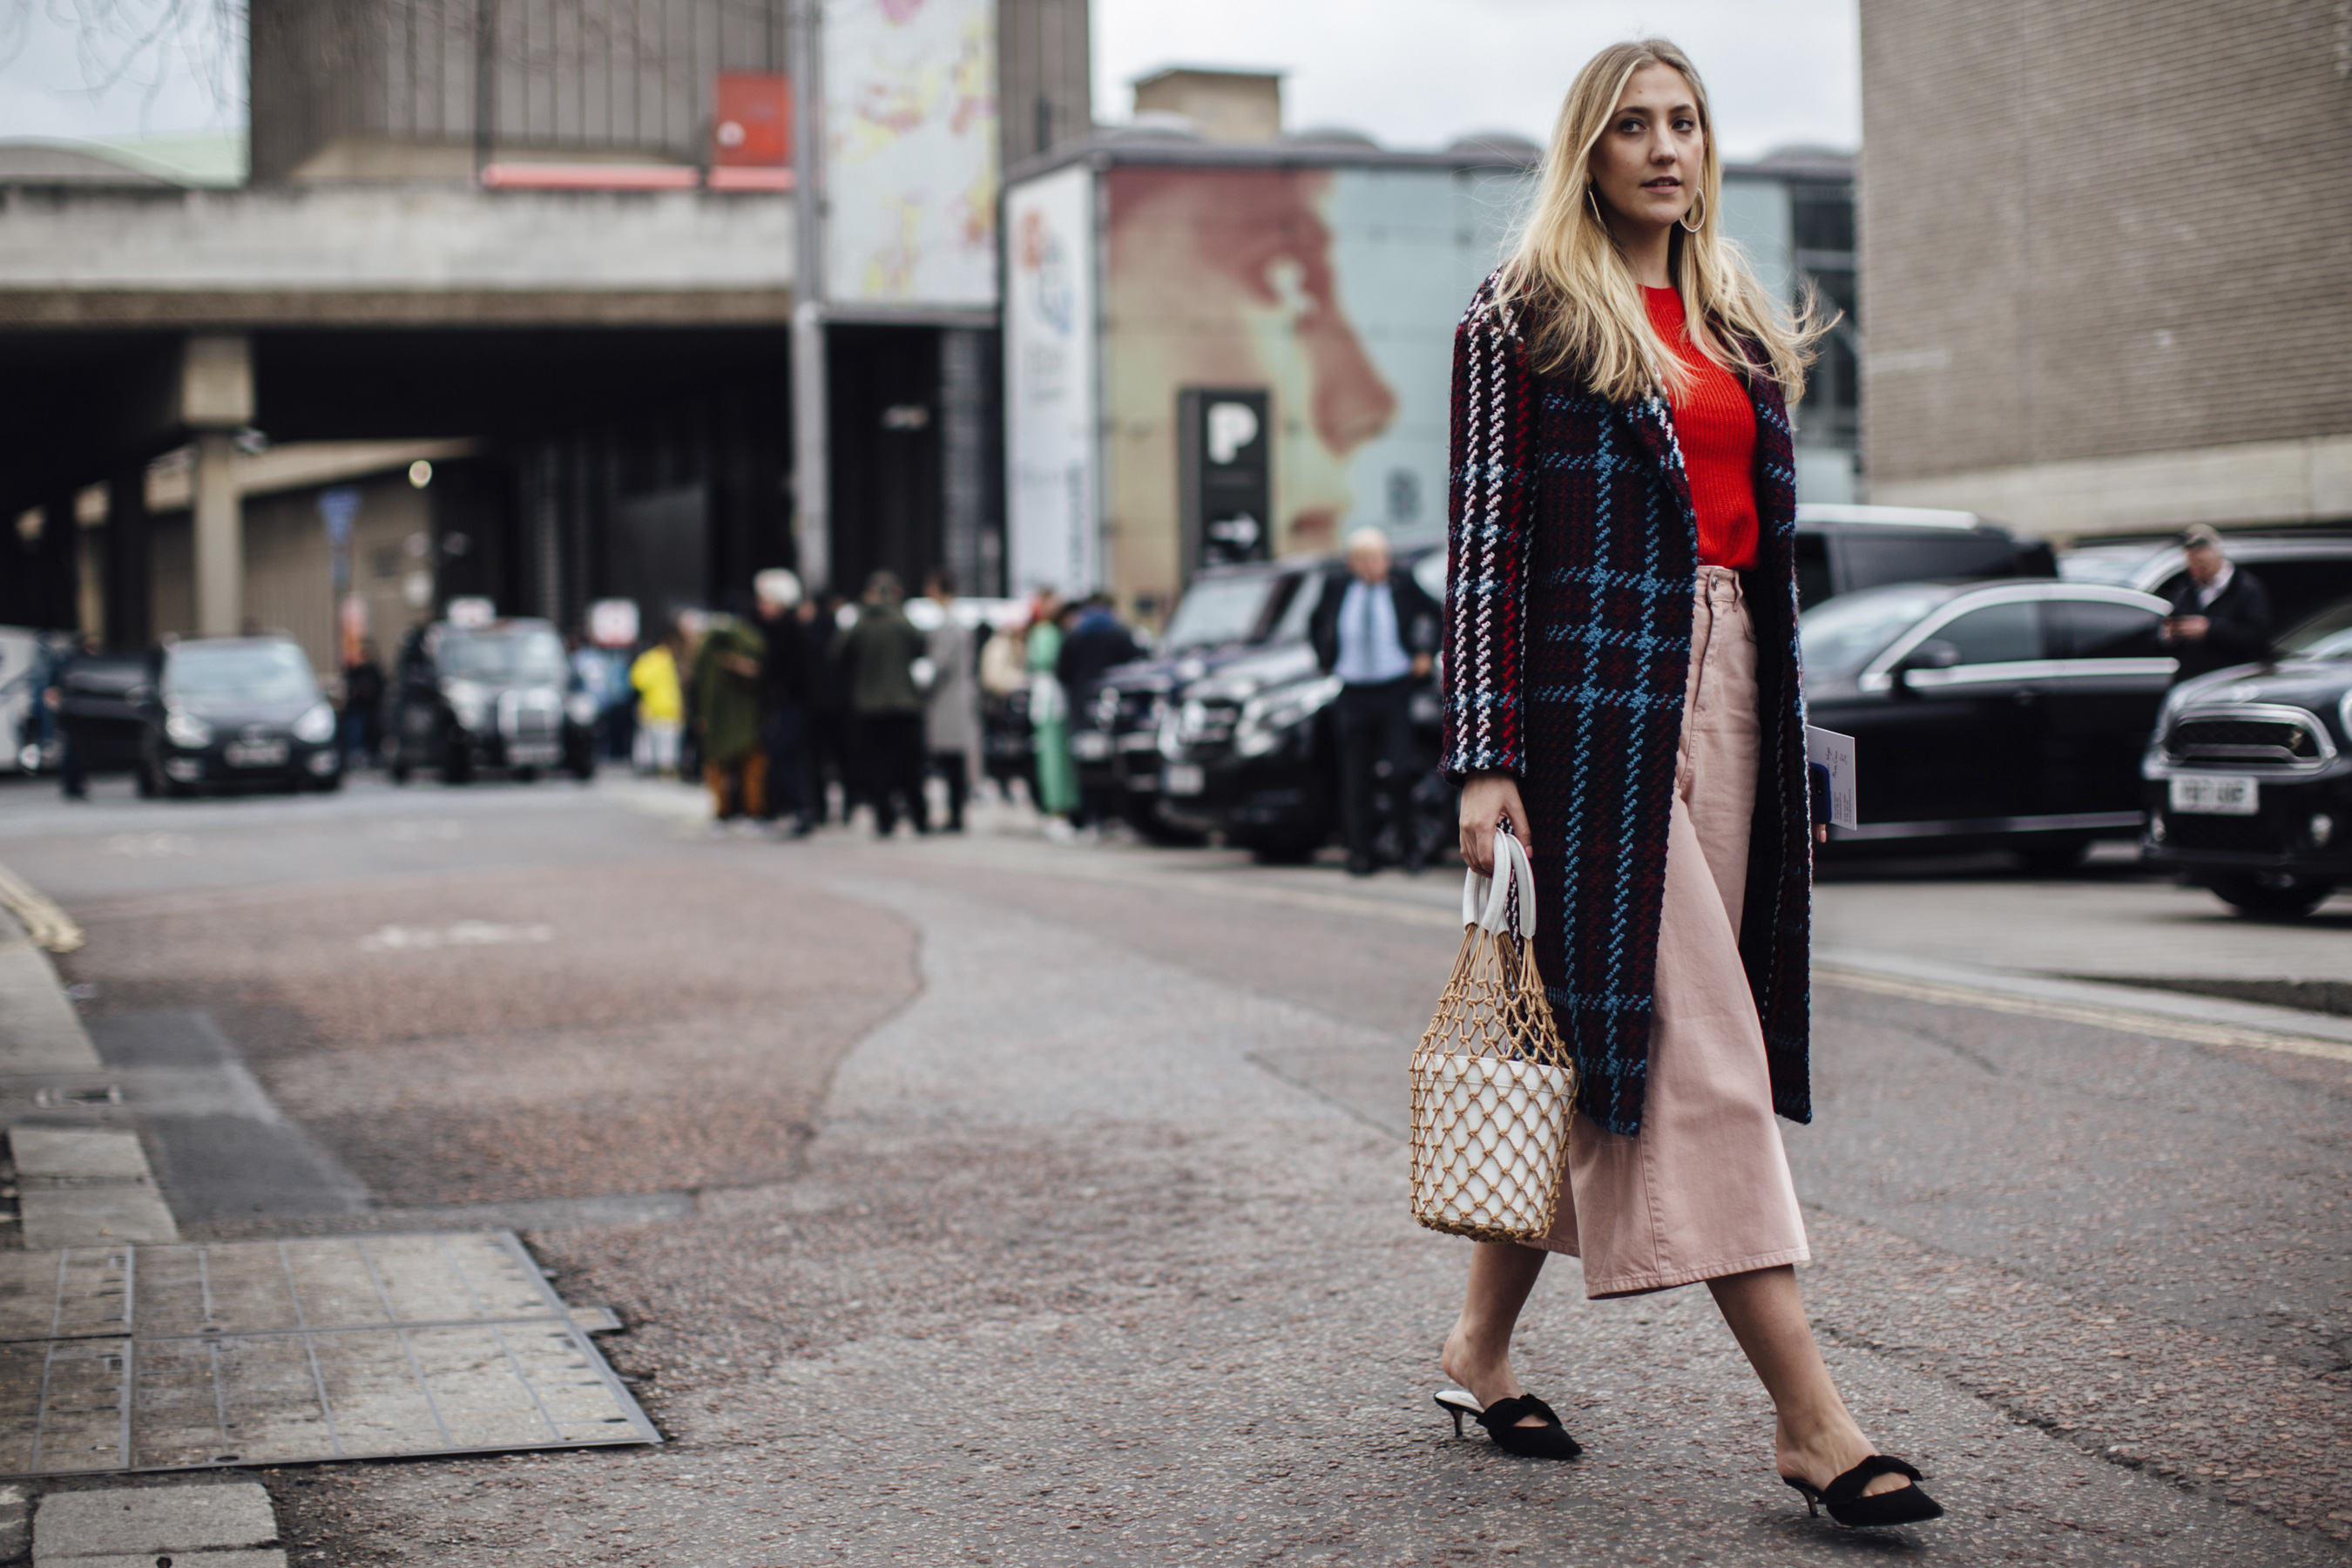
234	713
1244	749
1115	723
496	695
2008	713
2303	571
2249	775
1846	549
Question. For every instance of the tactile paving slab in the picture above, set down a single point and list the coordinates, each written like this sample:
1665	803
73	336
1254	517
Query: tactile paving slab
265	1352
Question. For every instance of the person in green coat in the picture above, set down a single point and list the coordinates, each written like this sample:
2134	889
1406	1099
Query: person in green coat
882	657
1049	710
726	690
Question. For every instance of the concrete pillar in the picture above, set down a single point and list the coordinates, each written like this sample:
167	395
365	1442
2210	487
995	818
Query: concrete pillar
963	457
220	538
216	401
129	591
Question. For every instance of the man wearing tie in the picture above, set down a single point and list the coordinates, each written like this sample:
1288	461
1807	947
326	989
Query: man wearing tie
1377	631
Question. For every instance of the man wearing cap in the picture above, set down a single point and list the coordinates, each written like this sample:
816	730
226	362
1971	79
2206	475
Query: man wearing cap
2221	615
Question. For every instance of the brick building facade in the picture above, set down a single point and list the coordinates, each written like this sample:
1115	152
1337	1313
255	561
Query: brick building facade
2106	260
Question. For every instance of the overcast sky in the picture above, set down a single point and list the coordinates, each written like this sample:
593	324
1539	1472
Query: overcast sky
1409	73
1417	73
158	67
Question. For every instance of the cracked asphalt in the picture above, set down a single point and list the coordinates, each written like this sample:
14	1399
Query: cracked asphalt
998	1202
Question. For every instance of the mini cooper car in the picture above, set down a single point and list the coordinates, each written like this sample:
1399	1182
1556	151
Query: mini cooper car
224	713
2249	775
502	695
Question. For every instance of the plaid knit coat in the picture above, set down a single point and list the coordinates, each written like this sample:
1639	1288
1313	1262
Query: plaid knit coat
1570	571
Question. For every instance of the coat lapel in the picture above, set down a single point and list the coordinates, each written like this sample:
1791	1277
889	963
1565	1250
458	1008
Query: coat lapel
1653	423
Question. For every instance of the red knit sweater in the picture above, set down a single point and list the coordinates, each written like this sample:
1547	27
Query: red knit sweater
1714	424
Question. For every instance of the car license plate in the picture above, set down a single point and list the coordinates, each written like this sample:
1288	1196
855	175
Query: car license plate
2215	794
1182	778
254	754
1090	745
533	753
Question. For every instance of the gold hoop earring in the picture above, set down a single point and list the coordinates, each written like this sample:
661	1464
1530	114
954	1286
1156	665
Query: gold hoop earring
1699	206
1592	199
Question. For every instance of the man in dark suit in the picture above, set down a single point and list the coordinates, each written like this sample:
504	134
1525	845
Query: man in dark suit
1378	632
2221	615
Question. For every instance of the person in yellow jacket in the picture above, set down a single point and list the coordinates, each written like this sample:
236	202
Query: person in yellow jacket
661	707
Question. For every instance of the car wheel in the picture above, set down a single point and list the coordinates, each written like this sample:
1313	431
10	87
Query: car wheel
147	779
586	772
1167	834
2250	896
457	767
2053	859
526	775
399	769
1286	851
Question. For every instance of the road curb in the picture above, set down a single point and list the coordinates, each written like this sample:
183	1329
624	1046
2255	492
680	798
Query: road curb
2200	1020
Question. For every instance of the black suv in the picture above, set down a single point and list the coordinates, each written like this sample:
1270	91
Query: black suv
1846	549
1244	749
497	696
2249	775
234	713
1224	616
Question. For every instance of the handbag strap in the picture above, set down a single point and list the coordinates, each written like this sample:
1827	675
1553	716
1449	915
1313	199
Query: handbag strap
1487	902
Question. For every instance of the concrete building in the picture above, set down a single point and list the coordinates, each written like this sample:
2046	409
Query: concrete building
557	232
2108	251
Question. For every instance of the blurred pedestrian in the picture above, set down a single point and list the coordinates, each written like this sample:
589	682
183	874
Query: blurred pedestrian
829	744
362	704
1049	714
72	725
784	693
951	709
1377	631
1004	708
1622	385
1097	641
661	706
2221	615
726	689
878	654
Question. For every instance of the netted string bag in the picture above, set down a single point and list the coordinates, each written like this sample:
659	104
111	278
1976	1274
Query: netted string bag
1493	1085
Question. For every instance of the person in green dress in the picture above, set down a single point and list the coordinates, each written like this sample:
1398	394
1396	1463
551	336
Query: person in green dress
1049	710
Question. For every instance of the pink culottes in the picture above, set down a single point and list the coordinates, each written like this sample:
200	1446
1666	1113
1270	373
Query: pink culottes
1703	1190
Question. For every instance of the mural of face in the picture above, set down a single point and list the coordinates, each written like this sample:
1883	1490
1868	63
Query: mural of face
1225	277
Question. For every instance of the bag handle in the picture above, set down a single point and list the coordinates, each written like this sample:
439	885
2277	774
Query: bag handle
1487	902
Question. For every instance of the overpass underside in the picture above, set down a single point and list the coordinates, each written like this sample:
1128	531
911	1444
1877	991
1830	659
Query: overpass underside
617	362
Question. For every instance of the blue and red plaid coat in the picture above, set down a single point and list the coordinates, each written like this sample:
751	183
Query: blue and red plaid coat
1573	563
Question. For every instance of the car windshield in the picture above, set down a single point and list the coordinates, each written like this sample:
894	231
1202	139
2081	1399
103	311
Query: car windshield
2328	634
1841	635
502	656
240	672
1217	610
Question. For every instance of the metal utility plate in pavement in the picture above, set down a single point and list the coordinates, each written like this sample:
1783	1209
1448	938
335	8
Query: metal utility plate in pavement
264	1352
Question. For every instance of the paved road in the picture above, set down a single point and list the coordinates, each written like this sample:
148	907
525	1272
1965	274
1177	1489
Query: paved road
989	1201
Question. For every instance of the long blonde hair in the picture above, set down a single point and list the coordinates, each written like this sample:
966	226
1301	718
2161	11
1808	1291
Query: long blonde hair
1574	282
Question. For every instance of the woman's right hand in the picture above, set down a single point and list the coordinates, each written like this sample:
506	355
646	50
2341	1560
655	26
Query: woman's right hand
1487	799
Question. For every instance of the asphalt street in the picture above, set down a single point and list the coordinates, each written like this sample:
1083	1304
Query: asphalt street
994	1201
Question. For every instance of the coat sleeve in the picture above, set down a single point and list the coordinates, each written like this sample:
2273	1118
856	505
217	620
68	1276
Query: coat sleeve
1490	508
2241	621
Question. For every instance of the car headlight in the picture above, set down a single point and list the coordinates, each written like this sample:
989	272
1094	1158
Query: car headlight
316	727
468	701
1266	716
182	727
581	708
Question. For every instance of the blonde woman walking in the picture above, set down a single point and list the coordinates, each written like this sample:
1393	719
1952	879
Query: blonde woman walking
1623	689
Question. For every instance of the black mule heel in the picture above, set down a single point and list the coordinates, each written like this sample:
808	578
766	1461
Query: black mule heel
1458	1403
1502	1418
1904	1505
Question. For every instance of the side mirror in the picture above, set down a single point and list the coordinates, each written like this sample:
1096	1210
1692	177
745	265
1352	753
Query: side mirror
1933	654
